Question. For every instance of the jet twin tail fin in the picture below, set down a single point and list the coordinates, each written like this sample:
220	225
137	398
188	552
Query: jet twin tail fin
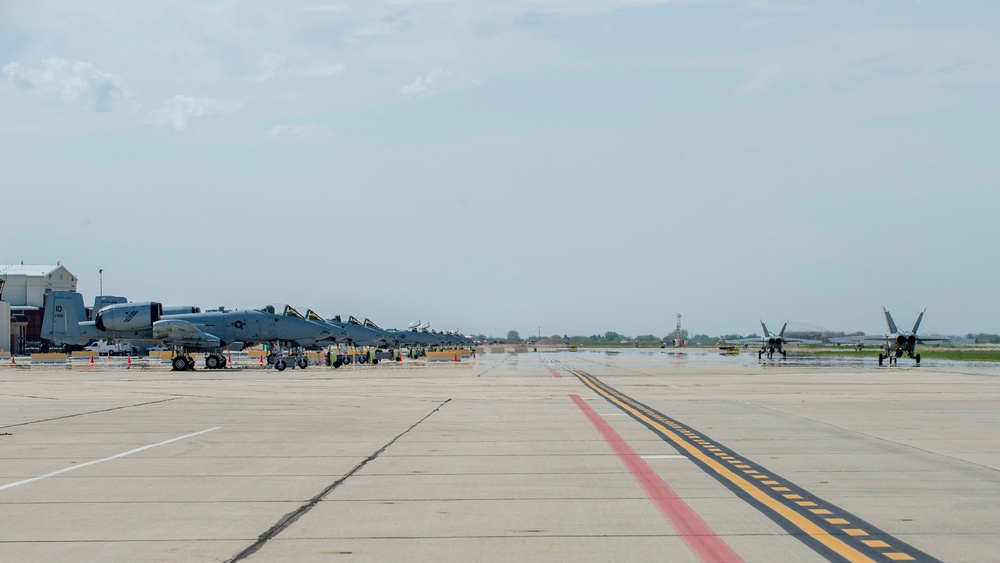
64	311
890	323
764	328
783	327
920	317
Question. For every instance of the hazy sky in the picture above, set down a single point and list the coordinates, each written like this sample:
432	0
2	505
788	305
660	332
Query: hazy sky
574	165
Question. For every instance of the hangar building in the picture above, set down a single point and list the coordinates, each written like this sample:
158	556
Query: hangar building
24	288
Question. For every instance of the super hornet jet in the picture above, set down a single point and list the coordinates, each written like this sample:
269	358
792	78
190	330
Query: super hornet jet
895	342
64	321
771	343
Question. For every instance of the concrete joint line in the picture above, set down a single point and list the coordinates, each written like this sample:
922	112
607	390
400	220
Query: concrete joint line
288	519
90	412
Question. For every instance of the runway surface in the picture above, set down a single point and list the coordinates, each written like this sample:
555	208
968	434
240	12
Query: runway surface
573	456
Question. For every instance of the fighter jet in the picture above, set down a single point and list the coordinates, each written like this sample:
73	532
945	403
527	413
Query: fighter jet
771	343
64	321
895	342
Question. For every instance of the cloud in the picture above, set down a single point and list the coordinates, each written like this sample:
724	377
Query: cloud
298	131
271	65
320	70
437	81
178	111
424	84
78	83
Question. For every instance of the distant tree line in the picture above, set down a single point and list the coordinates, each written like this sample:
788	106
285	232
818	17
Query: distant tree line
612	337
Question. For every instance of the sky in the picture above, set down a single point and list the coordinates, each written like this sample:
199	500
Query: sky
553	166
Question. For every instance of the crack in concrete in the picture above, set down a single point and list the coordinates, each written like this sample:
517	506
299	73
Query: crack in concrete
89	412
288	519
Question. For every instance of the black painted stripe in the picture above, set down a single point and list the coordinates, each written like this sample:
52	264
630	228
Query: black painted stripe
828	529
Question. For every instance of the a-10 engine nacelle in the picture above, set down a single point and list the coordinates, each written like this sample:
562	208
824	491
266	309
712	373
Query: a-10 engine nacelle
128	316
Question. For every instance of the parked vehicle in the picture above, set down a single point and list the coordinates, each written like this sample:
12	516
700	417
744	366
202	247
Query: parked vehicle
105	347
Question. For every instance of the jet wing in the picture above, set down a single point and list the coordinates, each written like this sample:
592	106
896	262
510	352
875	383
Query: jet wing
743	341
182	333
927	339
801	341
863	339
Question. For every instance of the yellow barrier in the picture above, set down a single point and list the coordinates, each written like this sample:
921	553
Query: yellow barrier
48	358
84	354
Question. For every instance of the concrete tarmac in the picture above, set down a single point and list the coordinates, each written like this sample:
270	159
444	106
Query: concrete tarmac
493	460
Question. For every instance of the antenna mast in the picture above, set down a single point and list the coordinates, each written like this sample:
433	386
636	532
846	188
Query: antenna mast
678	341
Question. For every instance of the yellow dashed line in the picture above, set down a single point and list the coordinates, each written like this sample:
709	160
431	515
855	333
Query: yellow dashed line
792	497
820	511
899	556
780	489
875	543
837	521
806	503
855	532
809	527
768	482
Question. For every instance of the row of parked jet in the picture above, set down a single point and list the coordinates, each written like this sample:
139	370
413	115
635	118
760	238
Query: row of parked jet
187	329
895	342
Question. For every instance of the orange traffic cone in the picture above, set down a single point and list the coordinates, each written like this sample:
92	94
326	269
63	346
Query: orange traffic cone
454	357
91	359
12	362
128	364
262	359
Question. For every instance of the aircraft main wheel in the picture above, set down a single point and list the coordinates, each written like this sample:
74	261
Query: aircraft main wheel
347	360
784	354
303	363
760	354
280	365
337	364
917	357
880	358
212	361
270	358
362	359
375	362
179	363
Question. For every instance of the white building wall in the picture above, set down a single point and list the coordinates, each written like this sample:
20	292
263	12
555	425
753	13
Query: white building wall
4	326
26	285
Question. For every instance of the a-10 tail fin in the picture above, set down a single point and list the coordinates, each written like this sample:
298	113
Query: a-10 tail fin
64	311
890	323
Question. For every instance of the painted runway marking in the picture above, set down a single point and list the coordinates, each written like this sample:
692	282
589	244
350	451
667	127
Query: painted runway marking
96	461
552	371
675	456
828	529
699	538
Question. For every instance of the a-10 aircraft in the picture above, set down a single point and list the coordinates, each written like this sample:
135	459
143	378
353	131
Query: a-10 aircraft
771	343
895	342
65	321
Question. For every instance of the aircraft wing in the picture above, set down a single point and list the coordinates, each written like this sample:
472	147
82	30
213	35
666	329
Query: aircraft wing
863	339
928	339
743	341
182	333
801	341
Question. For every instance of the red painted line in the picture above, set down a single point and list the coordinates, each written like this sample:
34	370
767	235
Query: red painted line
700	539
552	371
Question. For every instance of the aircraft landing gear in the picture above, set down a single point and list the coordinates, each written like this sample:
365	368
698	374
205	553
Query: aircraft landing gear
302	363
917	357
215	361
182	363
280	365
880	358
784	354
760	353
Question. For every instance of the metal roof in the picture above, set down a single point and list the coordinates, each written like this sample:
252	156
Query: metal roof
33	270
